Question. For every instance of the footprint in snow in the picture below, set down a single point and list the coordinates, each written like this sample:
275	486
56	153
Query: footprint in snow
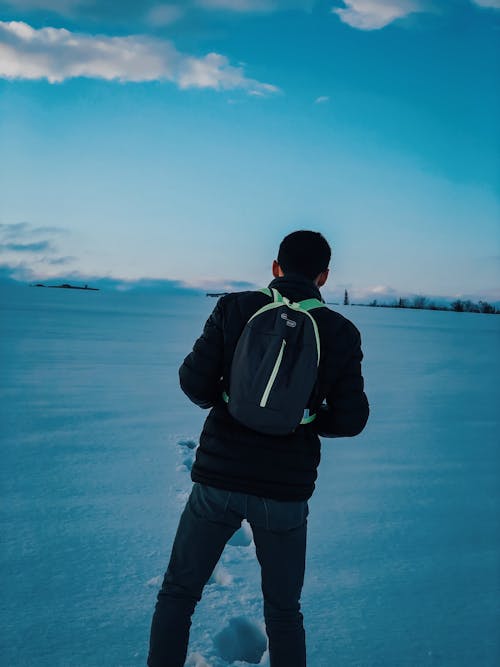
188	444
242	537
221	577
196	660
155	581
188	463
242	639
187	452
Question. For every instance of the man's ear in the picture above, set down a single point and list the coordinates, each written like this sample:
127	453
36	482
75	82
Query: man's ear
322	278
277	271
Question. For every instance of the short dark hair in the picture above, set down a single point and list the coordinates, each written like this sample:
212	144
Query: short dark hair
304	252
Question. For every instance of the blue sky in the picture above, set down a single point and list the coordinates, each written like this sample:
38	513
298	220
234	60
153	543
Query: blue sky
183	140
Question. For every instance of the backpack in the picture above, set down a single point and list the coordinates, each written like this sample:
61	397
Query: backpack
275	366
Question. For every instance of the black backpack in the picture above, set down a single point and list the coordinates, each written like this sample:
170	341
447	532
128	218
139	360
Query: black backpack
275	366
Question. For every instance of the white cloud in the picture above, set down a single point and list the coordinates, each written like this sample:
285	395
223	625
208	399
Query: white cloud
57	54
214	71
375	14
162	15
322	99
220	284
492	4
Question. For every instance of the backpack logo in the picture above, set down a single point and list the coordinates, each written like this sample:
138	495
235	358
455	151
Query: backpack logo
289	323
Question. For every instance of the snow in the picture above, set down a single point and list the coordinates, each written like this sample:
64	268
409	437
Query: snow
242	640
221	576
97	440
196	660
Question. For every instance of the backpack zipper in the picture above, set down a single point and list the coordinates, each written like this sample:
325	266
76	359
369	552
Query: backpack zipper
274	373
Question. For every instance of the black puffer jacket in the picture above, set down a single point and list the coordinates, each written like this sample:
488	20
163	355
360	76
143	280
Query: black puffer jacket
233	457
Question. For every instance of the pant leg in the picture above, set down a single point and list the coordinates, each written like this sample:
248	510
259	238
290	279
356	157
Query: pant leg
204	528
281	548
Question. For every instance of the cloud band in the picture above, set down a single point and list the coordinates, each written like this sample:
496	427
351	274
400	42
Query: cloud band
375	14
57	54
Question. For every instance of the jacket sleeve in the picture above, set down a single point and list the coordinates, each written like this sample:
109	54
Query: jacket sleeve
346	410
201	371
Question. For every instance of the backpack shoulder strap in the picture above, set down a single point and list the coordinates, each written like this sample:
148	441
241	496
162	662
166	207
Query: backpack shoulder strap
306	304
309	304
277	301
273	293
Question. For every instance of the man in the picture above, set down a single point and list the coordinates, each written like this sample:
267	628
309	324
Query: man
241	473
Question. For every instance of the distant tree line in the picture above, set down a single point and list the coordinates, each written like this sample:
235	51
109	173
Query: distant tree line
423	303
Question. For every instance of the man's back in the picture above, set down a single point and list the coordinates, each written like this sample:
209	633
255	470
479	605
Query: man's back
234	457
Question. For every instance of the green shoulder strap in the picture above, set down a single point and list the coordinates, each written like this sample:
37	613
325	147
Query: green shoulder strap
309	304
306	304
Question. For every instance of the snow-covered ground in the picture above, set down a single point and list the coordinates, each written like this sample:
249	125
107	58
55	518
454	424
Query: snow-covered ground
96	445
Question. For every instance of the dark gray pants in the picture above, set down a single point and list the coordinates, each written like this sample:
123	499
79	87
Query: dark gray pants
210	518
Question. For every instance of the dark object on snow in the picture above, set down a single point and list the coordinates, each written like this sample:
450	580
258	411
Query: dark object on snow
67	286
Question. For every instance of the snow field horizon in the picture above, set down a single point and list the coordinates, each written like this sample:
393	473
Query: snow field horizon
97	443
